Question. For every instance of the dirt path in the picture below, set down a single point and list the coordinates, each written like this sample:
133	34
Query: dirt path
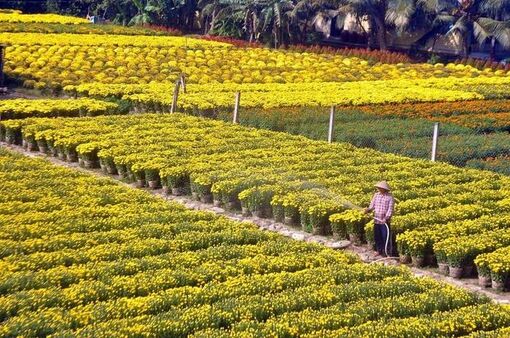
365	253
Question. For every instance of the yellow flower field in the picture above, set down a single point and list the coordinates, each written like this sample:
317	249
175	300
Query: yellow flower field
18	16
85	256
306	182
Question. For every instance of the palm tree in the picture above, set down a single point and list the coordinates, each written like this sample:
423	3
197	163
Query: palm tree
384	15
146	12
482	20
305	13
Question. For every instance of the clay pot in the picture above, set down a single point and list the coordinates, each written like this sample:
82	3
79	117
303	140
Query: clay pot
245	212
355	239
111	169
232	206
484	281
499	286
455	272
444	269
260	213
72	157
89	164
53	151
43	148
405	259
153	184
32	146
207	198
140	183
417	261
103	168
177	191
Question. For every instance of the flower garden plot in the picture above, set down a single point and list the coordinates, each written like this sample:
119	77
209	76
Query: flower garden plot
18	17
484	115
290	178
102	259
61	59
409	136
23	108
57	28
499	164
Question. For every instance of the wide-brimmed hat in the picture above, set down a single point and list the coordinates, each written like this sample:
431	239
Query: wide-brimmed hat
383	185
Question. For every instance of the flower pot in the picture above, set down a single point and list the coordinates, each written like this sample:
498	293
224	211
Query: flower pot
405	259
289	220
103	167
316	231
498	285
11	139
232	206
177	191
153	184
43	148
355	239
53	151
443	268
260	213
417	261
245	212
484	281
140	183
71	157
455	272
89	164
32	146
338	236
206	198
111	169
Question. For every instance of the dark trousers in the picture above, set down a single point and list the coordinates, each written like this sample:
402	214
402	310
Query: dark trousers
380	236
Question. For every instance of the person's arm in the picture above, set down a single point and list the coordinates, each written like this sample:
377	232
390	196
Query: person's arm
371	206
391	207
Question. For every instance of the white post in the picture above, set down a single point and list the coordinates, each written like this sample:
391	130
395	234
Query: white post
331	124
236	108
173	108
434	141
183	83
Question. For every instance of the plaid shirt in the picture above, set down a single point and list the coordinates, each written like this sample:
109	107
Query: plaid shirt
382	205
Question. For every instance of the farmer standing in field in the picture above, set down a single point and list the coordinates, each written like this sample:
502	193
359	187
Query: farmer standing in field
382	205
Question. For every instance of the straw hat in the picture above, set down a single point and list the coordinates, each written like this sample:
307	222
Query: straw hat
383	185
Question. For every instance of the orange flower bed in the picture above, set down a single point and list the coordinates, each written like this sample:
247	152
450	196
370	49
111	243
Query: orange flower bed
487	115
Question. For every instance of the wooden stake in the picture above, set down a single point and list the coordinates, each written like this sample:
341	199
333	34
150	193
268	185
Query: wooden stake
173	108
331	124
183	83
435	138
236	108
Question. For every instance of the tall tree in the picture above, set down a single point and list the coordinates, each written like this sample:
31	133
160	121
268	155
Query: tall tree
479	20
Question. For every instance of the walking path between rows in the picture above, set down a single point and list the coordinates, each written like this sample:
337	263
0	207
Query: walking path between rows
366	254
